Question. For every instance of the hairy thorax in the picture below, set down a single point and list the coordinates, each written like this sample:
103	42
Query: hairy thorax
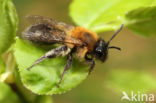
89	38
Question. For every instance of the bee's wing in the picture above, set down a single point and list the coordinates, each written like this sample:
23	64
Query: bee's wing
43	33
61	37
36	19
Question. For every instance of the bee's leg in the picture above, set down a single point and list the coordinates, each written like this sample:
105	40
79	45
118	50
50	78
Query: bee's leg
92	66
62	50
92	63
67	66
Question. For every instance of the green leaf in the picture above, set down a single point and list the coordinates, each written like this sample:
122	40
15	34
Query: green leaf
142	21
2	66
44	77
26	95
127	80
103	15
7	95
153	3
8	66
8	24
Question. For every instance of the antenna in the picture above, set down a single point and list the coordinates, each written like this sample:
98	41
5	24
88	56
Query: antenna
115	34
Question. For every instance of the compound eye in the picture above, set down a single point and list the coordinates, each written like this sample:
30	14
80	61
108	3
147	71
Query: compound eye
99	52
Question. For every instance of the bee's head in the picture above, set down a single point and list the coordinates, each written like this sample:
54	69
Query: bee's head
101	47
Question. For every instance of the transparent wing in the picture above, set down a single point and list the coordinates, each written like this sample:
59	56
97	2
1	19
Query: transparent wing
44	33
36	19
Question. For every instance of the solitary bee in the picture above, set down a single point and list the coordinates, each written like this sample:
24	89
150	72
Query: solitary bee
76	41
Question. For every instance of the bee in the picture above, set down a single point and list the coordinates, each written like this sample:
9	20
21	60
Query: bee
76	42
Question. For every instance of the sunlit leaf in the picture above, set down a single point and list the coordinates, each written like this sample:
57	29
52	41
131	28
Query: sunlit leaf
8	24
103	15
44	77
27	95
142	21
153	3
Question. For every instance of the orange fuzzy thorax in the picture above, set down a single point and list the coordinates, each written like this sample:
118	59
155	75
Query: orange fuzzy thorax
86	36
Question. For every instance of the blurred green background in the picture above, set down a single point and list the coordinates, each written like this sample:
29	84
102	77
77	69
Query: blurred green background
132	69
